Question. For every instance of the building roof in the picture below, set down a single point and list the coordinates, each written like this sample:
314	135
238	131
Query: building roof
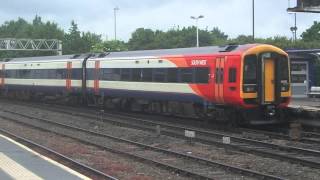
304	54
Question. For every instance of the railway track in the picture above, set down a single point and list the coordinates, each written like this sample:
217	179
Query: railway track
138	150
307	137
312	134
307	157
84	169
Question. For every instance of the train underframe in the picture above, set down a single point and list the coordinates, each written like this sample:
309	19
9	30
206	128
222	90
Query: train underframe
229	115
232	116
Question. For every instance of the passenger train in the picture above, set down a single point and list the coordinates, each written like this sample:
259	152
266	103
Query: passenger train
236	83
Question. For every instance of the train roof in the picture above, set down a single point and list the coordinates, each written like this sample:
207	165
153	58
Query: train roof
141	53
47	58
172	52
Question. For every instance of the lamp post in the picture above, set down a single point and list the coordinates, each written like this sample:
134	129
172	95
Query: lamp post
253	20
115	22
294	28
197	18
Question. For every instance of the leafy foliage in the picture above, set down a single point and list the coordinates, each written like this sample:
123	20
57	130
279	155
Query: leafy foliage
313	33
174	38
75	42
108	46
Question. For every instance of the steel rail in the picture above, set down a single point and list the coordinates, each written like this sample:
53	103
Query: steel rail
62	158
231	168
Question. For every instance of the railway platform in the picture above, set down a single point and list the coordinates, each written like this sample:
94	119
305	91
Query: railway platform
20	162
305	104
306	109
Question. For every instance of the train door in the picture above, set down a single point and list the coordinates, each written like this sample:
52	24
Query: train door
68	76
2	74
231	84
269	80
219	77
96	77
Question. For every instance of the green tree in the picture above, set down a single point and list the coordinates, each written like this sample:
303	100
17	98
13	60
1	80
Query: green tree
312	33
76	42
218	37
174	38
242	39
90	40
72	43
142	39
108	46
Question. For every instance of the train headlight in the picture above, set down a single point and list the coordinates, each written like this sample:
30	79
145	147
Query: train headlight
284	87
249	88
270	111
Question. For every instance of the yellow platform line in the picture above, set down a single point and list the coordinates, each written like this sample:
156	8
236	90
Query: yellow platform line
15	170
81	176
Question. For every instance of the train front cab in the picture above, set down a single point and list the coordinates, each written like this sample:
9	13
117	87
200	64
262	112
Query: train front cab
265	84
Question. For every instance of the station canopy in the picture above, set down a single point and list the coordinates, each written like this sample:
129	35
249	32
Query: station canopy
312	6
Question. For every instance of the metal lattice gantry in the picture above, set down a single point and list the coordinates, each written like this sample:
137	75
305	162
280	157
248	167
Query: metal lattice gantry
30	45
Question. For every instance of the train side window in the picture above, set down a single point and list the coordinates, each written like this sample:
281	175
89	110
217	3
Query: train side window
17	73
186	75
172	74
147	75
9	73
125	74
105	74
159	75
110	74
50	74
14	73
76	73
250	69
202	75
60	74
36	74
232	75
136	74
26	74
114	74
219	75
89	74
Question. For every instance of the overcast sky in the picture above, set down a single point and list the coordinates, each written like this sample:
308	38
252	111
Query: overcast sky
234	17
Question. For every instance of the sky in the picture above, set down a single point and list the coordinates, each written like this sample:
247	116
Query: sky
234	17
